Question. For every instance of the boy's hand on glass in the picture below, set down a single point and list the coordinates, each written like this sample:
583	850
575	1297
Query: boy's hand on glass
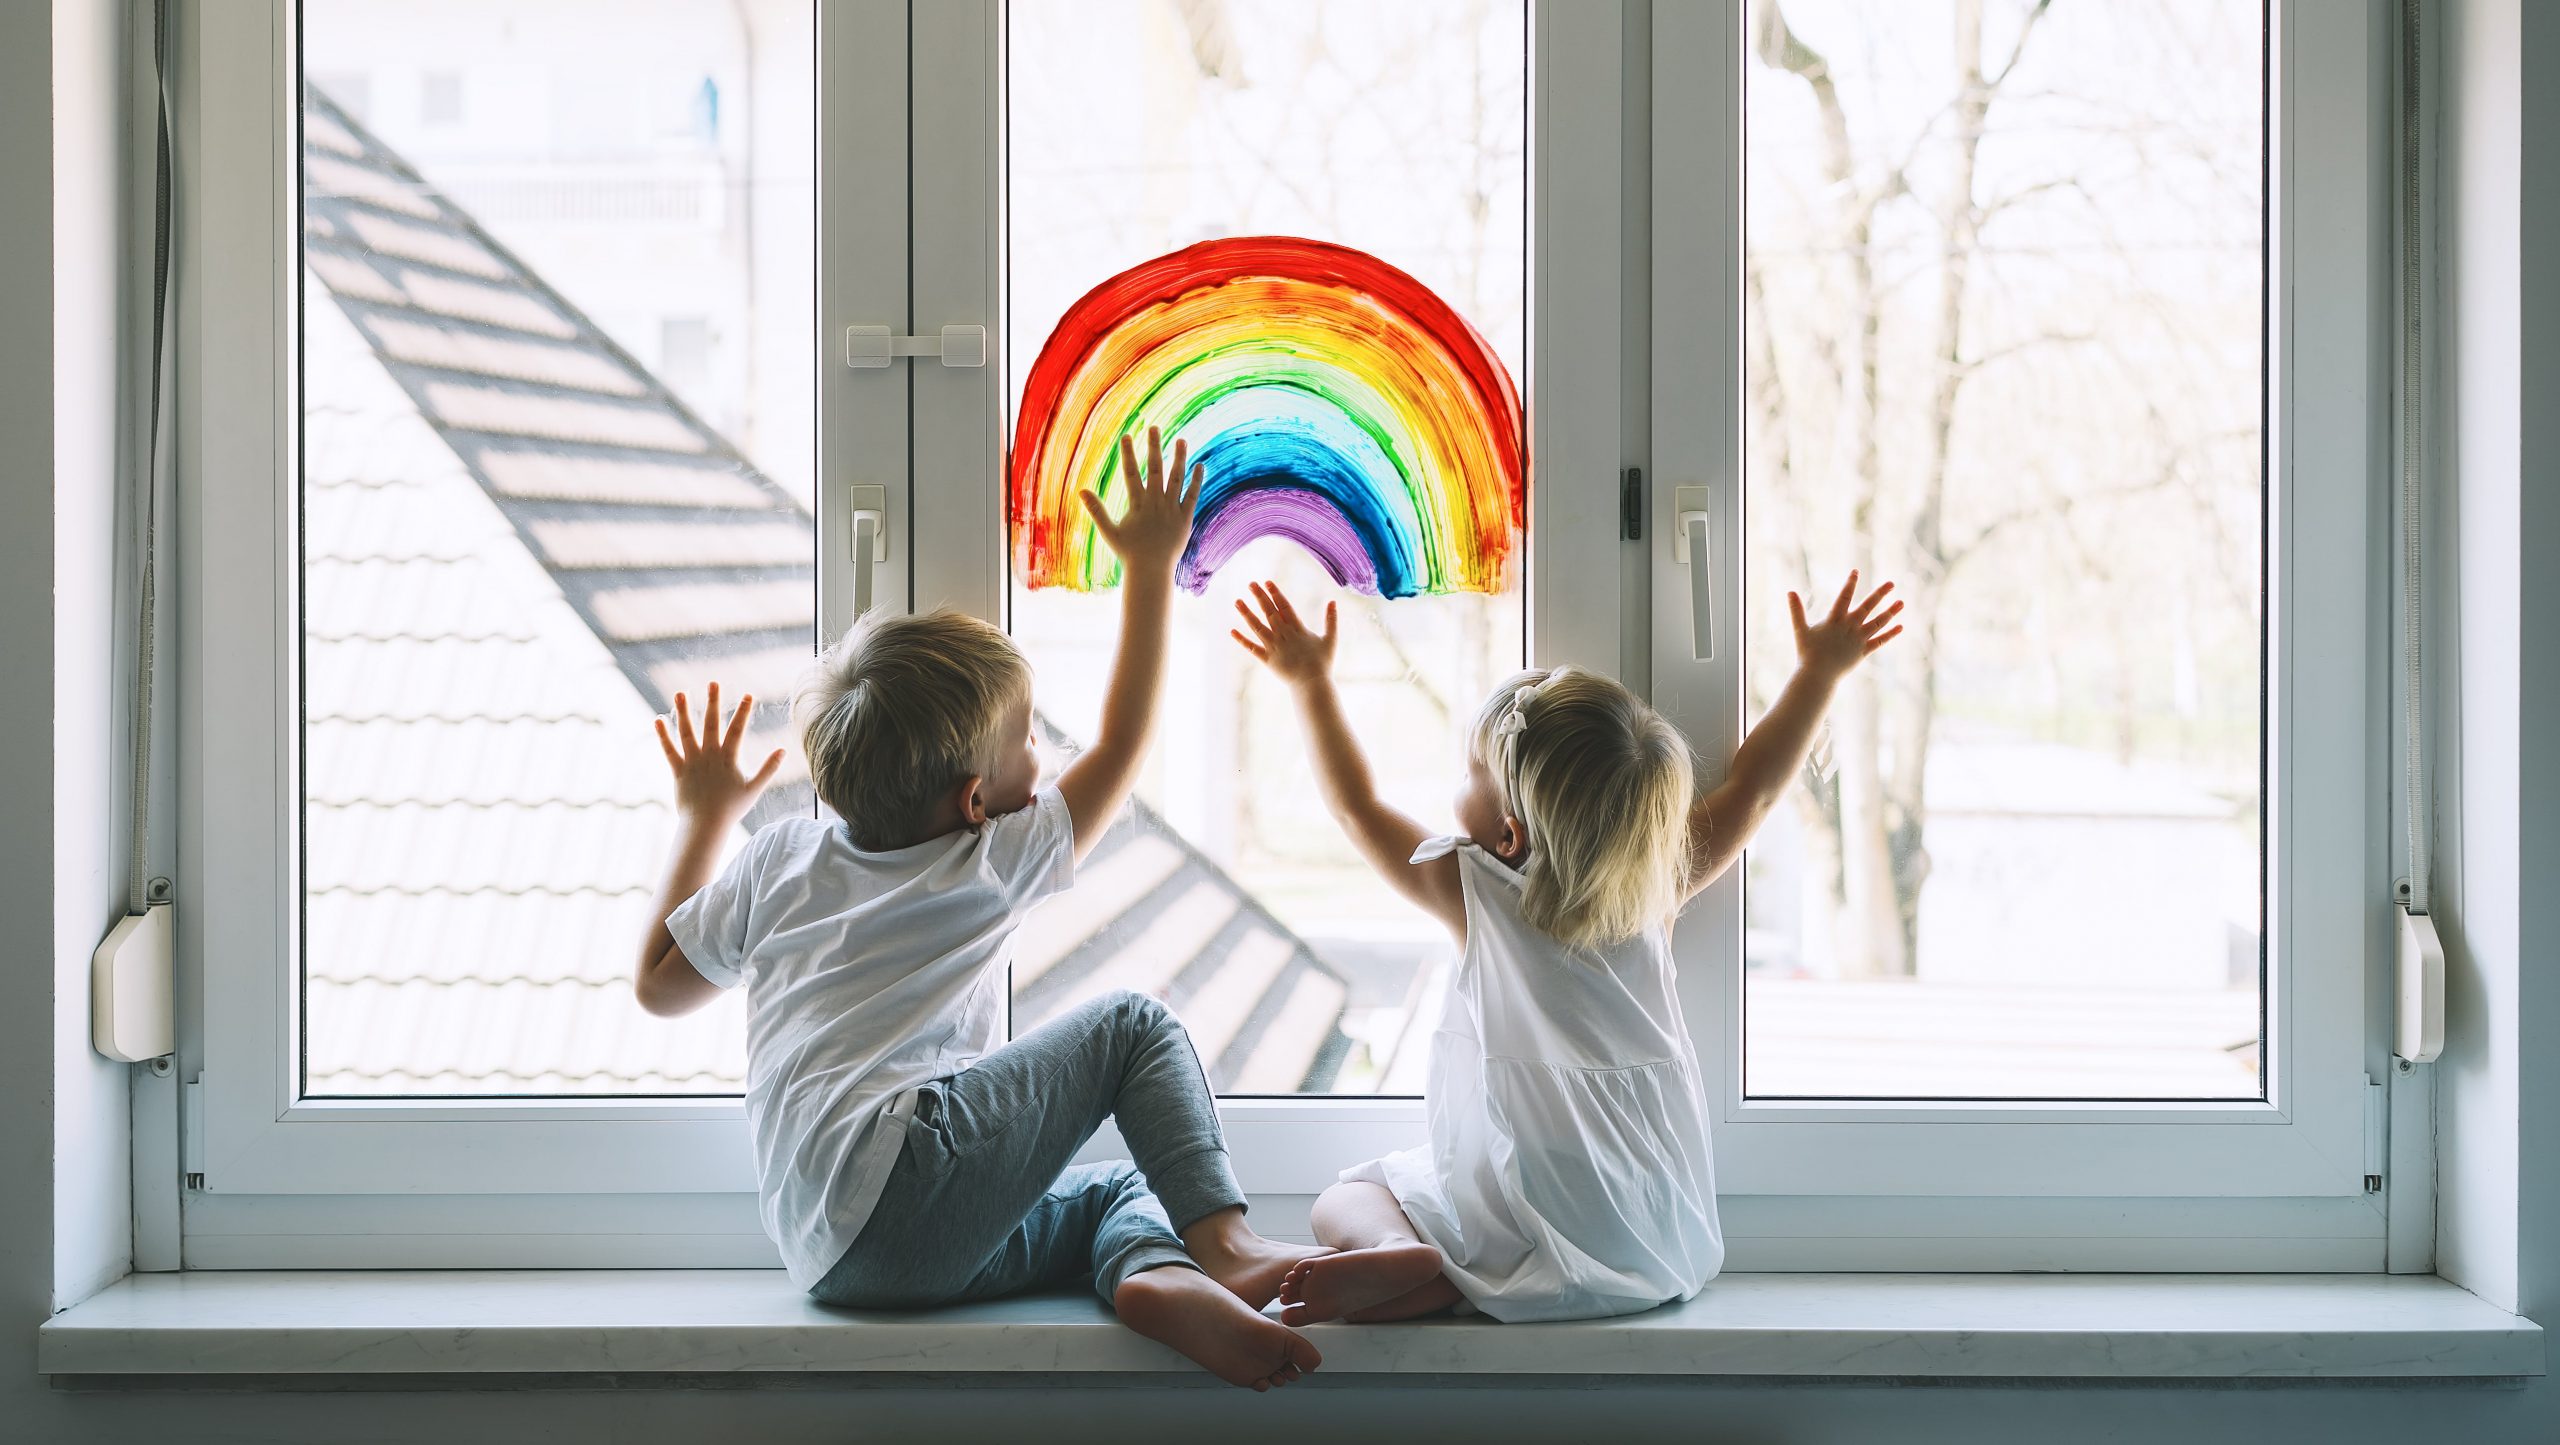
710	788
1846	636
1282	640
1155	520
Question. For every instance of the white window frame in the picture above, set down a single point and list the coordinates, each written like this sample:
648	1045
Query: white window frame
1864	1185
2288	1173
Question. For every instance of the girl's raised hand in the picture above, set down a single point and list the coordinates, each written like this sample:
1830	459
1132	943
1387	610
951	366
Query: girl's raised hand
1281	640
710	788
1846	636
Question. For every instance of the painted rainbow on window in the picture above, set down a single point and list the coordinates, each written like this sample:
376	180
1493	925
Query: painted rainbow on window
1329	398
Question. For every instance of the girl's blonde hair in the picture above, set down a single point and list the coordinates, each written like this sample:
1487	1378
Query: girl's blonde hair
1602	783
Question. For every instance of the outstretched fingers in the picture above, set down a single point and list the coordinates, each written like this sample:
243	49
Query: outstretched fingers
1259	644
1877	642
1282	609
738	724
1102	522
684	725
1848	593
667	741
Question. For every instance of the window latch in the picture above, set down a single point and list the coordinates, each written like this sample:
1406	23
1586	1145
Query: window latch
867	518
1693	545
866	347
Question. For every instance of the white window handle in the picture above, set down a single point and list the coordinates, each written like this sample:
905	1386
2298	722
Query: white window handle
1693	546
867	511
873	346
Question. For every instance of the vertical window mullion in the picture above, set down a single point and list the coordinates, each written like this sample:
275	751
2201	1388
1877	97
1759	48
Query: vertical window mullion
1576	211
864	279
1697	464
955	158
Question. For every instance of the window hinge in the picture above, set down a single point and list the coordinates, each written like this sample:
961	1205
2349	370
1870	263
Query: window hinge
191	1132
2377	1108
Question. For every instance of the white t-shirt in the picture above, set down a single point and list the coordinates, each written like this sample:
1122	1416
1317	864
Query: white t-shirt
867	974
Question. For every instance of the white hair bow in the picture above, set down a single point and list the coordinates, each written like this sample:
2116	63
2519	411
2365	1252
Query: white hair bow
1515	720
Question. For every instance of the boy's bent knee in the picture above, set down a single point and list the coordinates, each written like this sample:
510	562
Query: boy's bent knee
1142	1011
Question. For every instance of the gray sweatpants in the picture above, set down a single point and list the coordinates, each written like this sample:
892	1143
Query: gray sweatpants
978	1205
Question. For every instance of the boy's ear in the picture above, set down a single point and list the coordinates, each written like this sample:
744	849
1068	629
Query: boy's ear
971	796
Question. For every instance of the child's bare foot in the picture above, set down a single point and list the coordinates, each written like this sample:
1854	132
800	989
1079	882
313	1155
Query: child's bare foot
1253	1273
1334	1285
1245	1262
1197	1316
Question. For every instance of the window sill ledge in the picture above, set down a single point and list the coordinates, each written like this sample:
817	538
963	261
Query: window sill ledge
648	1322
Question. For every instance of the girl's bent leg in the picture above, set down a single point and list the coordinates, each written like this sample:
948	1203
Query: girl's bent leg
1383	1270
1359	1215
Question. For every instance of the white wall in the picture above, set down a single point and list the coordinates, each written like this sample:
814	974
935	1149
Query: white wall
26	626
2498	521
34	1101
91	1186
2479	640
2538	857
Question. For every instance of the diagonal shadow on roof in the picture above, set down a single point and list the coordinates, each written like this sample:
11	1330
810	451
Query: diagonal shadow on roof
688	563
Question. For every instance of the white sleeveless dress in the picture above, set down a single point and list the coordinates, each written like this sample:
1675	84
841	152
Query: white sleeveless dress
1568	1174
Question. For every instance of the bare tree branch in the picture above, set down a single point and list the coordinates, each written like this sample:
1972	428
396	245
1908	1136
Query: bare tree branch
2026	29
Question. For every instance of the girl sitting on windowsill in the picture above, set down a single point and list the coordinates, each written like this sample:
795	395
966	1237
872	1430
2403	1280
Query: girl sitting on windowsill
1568	1174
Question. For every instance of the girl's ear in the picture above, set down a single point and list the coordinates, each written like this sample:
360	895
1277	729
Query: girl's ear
1515	840
971	796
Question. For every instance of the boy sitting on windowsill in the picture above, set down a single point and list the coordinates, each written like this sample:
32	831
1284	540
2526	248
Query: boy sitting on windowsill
904	1159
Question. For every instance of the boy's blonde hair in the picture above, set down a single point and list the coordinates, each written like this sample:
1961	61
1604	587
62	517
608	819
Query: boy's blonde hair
902	710
1602	783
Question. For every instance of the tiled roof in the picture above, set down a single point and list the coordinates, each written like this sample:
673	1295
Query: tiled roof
518	544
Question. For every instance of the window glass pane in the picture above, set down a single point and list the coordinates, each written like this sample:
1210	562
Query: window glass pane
2005	298
557	440
1139	127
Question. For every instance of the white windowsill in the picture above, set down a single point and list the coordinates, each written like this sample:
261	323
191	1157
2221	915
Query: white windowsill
644	1322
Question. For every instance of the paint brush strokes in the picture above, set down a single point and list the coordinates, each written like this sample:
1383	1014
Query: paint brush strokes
1330	399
